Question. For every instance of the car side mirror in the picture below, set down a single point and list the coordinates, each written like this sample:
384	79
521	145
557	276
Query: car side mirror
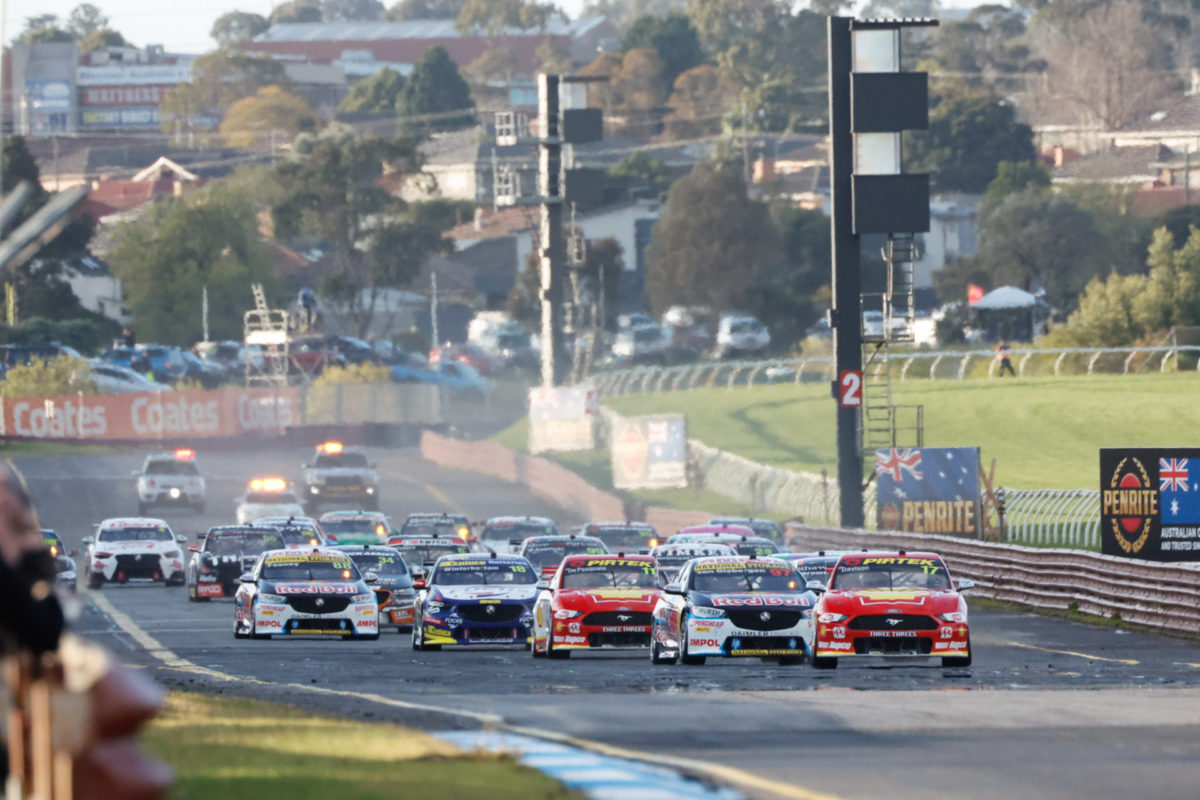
815	586
246	578
370	577
194	548
965	584
543	584
88	540
673	588
181	539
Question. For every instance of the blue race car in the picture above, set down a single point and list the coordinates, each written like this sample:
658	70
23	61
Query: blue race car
476	598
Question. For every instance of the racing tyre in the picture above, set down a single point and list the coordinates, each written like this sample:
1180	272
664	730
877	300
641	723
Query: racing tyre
655	656
824	662
557	655
237	631
174	581
94	583
142	508
537	653
691	661
193	597
959	661
418	640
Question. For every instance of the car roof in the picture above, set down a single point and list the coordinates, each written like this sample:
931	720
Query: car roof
641	526
561	538
891	554
232	529
353	515
433	515
739	530
498	558
516	520
734	559
369	549
585	557
133	522
420	539
691	547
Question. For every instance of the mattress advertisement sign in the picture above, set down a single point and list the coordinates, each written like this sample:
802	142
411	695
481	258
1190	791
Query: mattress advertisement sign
1150	503
928	490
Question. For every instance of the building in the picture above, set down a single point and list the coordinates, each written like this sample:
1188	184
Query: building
96	287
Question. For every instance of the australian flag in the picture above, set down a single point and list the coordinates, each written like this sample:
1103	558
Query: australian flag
928	473
1179	492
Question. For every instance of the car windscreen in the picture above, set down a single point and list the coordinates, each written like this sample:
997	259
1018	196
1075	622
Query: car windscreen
887	572
622	538
317	567
360	525
520	530
427	554
391	568
246	544
271	498
610	572
815	569
135	535
761	527
429	528
543	555
756	548
483	572
341	461
172	467
726	577
676	557
294	536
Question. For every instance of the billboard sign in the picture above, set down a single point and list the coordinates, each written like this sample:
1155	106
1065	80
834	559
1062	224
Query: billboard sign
136	74
48	95
1150	503
562	418
121	95
649	452
143	117
928	490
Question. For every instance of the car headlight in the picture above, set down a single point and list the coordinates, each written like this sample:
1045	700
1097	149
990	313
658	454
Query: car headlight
276	599
314	490
953	616
370	490
705	612
364	598
175	493
831	617
66	576
434	606
567	613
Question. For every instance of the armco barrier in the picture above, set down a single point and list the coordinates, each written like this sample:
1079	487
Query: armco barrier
1158	595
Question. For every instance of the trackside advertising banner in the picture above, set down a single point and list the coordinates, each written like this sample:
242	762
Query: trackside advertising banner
1150	503
191	414
562	418
928	490
650	452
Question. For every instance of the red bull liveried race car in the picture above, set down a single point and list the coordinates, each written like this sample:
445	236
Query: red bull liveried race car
892	604
596	601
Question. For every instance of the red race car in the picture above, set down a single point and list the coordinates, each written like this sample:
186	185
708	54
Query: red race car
596	601
892	604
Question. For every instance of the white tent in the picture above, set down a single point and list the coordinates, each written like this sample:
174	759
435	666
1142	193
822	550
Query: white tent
1006	297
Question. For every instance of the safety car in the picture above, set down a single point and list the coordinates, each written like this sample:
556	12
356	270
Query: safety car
766	528
672	556
356	527
394	591
170	479
268	497
438	524
740	537
892	604
422	552
65	574
473	599
733	606
596	601
505	534
547	552
626	537
315	592
816	566
338	473
133	549
224	554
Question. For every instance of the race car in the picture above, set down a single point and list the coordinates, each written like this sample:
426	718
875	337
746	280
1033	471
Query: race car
766	528
170	479
547	552
313	592
626	537
672	557
733	606
739	537
356	527
133	549
892	604
438	524
422	552
813	566
225	553
268	497
297	531
339	473
505	534
65	575
474	599
596	601
394	591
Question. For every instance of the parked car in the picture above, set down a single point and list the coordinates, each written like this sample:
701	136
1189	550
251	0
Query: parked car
468	353
208	374
165	362
638	319
646	344
741	335
312	354
13	355
115	379
517	350
354	351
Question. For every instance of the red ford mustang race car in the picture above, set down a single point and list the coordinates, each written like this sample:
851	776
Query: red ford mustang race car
596	601
892	604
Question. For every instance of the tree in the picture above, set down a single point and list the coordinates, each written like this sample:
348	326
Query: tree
494	16
672	37
333	193
789	299
554	56
167	257
623	13
604	264
424	9
712	244
86	19
638	84
434	88
101	39
499	62
271	111
375	95
701	97
641	175
42	29
235	27
351	10
218	80
970	133
296	11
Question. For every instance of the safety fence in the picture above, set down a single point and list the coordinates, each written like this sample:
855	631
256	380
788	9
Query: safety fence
1165	596
1052	517
913	365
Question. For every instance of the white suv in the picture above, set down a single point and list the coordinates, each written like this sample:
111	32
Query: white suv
170	479
741	335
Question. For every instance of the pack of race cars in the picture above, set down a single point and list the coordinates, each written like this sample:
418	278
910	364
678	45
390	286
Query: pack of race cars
722	590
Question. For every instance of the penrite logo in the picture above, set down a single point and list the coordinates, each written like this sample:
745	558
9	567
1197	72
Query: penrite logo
1131	500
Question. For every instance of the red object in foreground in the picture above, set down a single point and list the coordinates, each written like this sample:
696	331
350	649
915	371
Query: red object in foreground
974	294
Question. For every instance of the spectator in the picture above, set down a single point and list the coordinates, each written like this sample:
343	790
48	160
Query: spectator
127	337
1005	360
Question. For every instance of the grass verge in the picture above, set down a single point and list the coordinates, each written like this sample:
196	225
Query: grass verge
223	748
27	448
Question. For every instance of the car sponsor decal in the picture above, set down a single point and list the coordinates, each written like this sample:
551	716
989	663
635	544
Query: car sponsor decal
877	596
342	562
770	652
620	594
210	590
315	588
761	600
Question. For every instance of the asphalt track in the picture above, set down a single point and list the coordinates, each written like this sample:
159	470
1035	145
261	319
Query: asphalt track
1051	709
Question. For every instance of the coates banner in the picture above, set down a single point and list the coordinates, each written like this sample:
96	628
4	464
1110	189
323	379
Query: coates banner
1150	503
928	490
649	452
562	418
165	415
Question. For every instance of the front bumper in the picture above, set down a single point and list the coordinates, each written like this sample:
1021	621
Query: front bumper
578	634
841	641
320	492
723	637
357	619
136	567
456	628
168	497
396	611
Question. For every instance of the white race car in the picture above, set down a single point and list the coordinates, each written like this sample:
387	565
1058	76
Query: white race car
170	479
133	549
268	497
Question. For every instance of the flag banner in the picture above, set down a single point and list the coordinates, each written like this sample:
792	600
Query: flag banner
974	294
649	452
1150	503
928	490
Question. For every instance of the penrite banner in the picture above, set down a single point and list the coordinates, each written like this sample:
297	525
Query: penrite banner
562	418
1150	503
928	490
650	452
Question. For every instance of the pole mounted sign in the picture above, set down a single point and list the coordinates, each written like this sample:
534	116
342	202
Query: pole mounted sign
1150	503
850	388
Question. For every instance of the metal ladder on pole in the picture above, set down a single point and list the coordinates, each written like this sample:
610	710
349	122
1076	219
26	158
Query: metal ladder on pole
267	330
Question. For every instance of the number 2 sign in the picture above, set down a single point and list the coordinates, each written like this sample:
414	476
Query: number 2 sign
850	389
